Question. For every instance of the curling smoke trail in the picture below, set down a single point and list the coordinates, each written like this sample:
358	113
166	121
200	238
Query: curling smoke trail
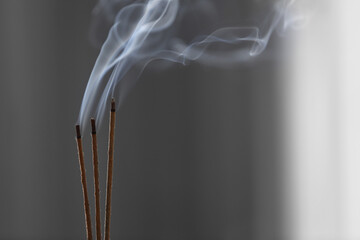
144	31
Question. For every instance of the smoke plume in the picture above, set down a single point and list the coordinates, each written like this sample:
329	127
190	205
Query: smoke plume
144	31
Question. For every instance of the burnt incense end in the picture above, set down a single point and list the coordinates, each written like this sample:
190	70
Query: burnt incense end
78	132
93	126
113	109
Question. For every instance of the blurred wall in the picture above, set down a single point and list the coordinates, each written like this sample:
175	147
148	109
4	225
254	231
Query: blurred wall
45	61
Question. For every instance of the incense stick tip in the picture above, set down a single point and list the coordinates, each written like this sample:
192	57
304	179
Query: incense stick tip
93	126
113	105
78	132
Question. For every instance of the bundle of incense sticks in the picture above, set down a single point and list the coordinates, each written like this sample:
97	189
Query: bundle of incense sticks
96	177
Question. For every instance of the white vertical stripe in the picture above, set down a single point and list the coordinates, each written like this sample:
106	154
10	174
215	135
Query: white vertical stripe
350	114
312	163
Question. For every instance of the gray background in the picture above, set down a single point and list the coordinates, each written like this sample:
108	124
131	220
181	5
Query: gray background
196	148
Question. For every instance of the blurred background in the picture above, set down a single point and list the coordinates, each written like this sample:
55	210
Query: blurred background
266	151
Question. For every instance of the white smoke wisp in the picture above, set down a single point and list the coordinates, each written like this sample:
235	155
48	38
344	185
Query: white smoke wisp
144	31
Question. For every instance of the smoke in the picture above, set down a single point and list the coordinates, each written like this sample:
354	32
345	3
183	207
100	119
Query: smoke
144	31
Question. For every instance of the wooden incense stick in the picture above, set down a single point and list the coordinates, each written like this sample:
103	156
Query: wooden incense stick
96	180
83	182
110	170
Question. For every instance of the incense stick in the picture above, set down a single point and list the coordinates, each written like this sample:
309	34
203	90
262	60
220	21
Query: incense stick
110	170
96	179
83	182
